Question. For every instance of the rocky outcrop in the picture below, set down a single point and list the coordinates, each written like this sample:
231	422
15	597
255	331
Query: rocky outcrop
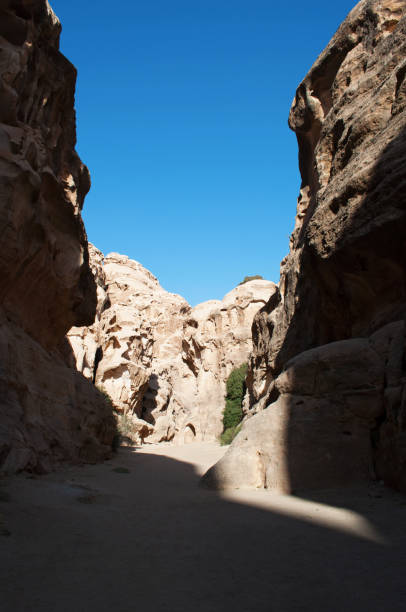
48	412
328	362
163	363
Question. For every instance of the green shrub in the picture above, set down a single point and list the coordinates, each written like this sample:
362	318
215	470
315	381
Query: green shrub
125	425
124	429
235	386
106	396
229	434
247	279
115	444
232	413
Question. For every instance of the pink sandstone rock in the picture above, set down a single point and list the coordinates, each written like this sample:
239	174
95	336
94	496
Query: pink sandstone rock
49	413
161	361
327	373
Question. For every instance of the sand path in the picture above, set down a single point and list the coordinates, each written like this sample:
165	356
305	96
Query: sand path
147	538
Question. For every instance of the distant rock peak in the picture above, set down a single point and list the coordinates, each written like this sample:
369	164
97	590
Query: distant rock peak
163	362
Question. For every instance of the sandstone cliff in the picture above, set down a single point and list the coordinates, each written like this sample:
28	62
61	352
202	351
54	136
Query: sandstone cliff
163	363
329	357
48	412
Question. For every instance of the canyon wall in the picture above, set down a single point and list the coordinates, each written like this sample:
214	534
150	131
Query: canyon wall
49	412
164	363
327	397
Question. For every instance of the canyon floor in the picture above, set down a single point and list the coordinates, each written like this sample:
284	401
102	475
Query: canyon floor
139	533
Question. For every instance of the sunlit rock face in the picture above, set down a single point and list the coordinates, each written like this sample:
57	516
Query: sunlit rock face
48	412
159	359
328	361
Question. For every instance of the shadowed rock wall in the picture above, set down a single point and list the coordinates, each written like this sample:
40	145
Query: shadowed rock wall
48	412
329	349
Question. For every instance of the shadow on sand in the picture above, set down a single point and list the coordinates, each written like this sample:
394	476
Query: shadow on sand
152	540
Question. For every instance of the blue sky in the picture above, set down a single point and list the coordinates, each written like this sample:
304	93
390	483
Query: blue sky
182	110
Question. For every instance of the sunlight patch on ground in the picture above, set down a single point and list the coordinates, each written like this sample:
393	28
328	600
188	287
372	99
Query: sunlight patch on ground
202	455
332	517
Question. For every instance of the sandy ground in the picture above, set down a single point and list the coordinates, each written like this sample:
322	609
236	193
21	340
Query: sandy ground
138	533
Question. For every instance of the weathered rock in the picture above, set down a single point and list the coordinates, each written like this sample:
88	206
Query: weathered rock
137	322
160	359
318	430
49	413
344	277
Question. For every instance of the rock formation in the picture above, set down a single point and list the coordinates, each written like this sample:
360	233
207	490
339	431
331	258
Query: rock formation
329	358
48	412
163	363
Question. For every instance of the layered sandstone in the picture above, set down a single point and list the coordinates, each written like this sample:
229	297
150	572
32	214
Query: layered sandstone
328	362
163	363
48	411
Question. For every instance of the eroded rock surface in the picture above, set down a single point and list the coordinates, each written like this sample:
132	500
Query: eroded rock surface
163	363
48	412
329	348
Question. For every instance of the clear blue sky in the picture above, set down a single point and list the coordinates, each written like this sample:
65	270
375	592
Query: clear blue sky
182	110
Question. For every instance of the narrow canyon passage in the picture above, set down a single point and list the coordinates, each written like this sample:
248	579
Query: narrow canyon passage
139	533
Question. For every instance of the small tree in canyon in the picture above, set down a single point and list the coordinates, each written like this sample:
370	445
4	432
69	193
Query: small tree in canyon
247	279
233	413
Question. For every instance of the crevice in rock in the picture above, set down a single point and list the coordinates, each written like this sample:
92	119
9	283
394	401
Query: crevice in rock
273	396
97	359
400	77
